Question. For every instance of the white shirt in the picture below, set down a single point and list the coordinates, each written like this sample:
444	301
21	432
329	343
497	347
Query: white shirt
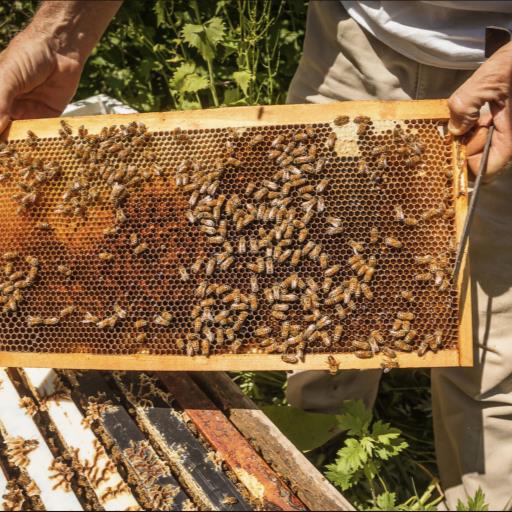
440	34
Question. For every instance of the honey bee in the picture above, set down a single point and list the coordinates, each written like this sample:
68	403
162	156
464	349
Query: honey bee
388	352
399	213
227	263
374	347
105	256
341	120
357	247
363	354
139	249
290	358
120	216
51	320
262	332
413	161
134	239
438	338
410	336
432	212
69	310
66	127
426	276
33	321
388	365
296	256
164	319
338	331
10	256
407	295
368	274
331	141
405	315
332	271
411	221
44	226
422	349
315	253
392	242
401	345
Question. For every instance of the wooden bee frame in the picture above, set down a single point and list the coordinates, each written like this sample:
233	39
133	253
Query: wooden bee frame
239	118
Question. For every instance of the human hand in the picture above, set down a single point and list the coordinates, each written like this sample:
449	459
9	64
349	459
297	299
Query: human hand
37	80
492	83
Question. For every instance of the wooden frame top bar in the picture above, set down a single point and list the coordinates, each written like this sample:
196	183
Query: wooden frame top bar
243	116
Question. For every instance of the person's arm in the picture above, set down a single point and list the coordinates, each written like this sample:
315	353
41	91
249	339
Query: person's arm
40	68
491	82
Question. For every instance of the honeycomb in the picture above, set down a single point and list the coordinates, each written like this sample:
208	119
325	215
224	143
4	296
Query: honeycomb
296	239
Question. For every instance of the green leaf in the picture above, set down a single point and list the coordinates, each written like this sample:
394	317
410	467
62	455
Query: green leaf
186	79
215	30
243	79
160	13
477	502
356	418
367	444
194	83
343	480
351	457
386	501
204	37
306	430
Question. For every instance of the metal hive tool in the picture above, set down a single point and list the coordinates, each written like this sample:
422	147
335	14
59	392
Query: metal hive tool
234	238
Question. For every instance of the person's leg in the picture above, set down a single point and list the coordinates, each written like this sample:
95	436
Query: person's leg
472	406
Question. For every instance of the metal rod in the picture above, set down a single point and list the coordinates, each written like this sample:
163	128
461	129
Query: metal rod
482	171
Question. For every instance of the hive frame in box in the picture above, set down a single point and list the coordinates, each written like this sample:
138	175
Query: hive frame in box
263	116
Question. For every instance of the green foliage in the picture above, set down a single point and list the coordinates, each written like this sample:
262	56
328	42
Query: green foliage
477	502
367	448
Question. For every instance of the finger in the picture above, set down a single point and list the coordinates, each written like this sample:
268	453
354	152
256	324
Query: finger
500	154
5	121
464	110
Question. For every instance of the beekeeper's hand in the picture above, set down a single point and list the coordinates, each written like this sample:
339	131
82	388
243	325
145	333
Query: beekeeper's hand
40	68
492	83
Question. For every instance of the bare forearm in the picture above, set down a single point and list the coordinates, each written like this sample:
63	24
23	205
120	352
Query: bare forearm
75	25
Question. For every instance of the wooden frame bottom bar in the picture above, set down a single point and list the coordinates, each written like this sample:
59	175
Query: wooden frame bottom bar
231	362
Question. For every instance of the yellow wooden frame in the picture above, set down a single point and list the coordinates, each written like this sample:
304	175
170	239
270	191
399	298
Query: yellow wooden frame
263	116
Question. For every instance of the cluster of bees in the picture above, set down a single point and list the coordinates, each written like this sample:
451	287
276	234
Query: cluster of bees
17	279
265	230
271	224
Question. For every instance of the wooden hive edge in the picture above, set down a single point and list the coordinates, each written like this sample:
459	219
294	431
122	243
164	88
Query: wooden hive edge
242	116
221	362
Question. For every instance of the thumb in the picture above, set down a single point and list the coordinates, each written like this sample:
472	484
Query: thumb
464	110
5	121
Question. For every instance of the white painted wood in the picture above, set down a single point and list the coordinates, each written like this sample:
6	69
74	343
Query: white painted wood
15	422
68	420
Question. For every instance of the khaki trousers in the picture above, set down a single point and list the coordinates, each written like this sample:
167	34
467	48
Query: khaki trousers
472	406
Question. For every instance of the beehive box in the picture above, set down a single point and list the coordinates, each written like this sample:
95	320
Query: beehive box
241	238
